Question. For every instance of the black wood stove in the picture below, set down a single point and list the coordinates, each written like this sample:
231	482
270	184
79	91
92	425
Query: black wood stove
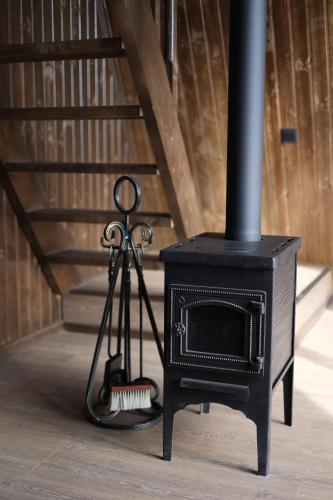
230	298
229	328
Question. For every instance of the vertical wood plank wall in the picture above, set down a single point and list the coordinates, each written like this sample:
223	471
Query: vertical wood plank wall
26	303
297	183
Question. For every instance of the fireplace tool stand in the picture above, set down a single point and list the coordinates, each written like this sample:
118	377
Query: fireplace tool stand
122	256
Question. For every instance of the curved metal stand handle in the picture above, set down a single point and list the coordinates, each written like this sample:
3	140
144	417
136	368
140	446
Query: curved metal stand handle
109	235
137	194
147	234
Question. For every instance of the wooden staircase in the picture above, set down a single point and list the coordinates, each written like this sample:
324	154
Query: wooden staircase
137	41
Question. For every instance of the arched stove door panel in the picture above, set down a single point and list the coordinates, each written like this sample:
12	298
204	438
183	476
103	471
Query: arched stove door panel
217	328
208	326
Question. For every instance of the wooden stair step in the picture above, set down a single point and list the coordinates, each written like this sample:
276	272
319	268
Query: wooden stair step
96	216
121	112
83	305
61	51
314	291
83	168
74	257
97	285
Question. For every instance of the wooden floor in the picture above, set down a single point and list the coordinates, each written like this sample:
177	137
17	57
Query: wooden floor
48	450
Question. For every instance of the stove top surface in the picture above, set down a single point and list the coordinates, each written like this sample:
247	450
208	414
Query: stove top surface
213	249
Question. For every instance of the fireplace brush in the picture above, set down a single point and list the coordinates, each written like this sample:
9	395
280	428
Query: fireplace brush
119	391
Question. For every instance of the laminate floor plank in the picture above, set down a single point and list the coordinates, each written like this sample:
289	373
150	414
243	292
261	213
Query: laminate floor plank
49	450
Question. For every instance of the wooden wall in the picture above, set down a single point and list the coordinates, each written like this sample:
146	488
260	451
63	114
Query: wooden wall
65	83
297	188
297	194
26	303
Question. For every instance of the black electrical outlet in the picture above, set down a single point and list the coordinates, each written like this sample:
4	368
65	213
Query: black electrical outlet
289	135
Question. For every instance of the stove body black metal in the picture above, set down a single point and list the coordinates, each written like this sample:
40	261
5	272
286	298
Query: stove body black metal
229	328
230	299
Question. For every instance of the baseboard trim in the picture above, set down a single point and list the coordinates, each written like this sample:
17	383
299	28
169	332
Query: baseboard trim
312	320
23	342
313	283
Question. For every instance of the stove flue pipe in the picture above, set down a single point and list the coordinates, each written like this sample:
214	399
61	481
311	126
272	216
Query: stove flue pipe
247	41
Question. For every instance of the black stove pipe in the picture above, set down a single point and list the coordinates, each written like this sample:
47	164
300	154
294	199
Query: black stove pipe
247	42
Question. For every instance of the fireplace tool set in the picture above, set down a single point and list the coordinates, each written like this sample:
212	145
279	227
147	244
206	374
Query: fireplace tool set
119	391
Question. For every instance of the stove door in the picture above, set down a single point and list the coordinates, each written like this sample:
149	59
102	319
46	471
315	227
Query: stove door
217	328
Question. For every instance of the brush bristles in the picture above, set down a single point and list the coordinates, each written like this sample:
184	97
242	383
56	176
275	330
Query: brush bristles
130	398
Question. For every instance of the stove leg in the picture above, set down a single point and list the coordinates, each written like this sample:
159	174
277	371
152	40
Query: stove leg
288	382
263	442
204	408
168	418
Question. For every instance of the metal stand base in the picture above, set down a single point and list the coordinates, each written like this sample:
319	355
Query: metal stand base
149	419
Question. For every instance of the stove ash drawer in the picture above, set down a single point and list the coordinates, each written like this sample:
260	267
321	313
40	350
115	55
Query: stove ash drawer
217	328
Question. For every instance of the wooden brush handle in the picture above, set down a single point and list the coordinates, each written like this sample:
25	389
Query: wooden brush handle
134	387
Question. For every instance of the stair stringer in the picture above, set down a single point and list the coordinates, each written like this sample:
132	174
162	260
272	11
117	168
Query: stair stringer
133	21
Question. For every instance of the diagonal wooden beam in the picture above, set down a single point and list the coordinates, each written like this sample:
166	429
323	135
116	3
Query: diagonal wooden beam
27	229
134	22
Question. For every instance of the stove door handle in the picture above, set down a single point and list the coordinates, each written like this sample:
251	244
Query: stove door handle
179	328
258	363
258	306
